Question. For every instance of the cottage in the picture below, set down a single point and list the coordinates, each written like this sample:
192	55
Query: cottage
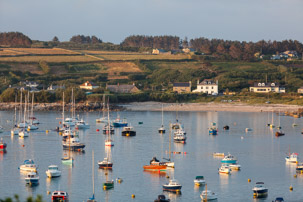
266	88
122	88
182	87
207	86
188	50
31	84
88	86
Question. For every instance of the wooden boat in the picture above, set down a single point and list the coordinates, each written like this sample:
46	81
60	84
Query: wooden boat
128	131
155	167
2	145
59	196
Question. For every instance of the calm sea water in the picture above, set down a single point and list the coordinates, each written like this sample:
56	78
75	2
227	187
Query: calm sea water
259	152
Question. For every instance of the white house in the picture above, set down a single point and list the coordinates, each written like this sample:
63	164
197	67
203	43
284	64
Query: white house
207	86
88	86
266	88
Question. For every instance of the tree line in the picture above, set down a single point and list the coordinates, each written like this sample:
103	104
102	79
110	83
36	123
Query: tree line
15	39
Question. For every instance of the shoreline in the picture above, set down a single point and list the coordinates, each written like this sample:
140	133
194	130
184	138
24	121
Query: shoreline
157	106
208	107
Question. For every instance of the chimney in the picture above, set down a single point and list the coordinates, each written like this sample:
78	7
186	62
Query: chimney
198	82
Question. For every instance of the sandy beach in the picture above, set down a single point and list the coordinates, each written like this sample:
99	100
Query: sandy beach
234	107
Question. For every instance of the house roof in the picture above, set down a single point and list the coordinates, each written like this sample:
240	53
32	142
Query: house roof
261	84
208	82
125	88
181	84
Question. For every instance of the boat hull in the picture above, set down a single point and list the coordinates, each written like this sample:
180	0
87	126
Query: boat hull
53	174
155	167
73	147
105	165
176	188
212	132
67	160
32	181
261	193
128	133
3	146
229	161
118	125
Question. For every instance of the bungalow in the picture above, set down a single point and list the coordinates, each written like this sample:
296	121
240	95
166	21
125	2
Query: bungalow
266	88
207	86
182	87
88	86
122	88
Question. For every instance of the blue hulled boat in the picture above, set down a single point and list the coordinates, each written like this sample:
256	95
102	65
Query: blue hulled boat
213	129
120	123
173	186
229	159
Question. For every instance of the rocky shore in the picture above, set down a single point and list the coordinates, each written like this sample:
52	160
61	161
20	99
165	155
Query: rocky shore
85	107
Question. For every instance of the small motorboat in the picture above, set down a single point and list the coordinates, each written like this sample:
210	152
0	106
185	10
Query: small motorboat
229	159
3	145
23	134
128	131
28	166
208	195
105	164
180	136
67	160
259	190
279	199
15	131
59	196
224	169
108	184
213	130
199	180
32	127
279	133
234	166
226	127
82	124
292	158
53	171
158	168
248	129
161	198
120	123
299	168
161	130
172	186
32	178
73	143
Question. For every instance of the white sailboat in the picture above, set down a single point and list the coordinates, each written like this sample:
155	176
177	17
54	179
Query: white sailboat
23	133
162	128
108	142
15	130
169	163
102	119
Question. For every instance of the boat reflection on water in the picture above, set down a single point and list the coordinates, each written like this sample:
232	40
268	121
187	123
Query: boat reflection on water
155	173
173	196
224	180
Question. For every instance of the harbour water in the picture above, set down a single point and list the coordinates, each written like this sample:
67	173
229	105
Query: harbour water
260	154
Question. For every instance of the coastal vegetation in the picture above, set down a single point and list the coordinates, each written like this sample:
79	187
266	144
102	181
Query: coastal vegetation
85	58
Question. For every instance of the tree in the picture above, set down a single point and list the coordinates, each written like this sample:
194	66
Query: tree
55	39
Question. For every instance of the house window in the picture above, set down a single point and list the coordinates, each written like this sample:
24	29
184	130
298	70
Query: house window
201	87
212	87
206	87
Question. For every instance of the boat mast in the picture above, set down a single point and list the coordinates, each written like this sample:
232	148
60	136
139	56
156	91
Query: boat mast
72	107
63	111
15	117
24	111
20	112
93	179
32	113
162	115
169	146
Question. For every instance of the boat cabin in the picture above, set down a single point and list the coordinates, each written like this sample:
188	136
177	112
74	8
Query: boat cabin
59	196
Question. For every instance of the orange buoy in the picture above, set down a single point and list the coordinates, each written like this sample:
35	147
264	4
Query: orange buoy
23	145
59	122
97	130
